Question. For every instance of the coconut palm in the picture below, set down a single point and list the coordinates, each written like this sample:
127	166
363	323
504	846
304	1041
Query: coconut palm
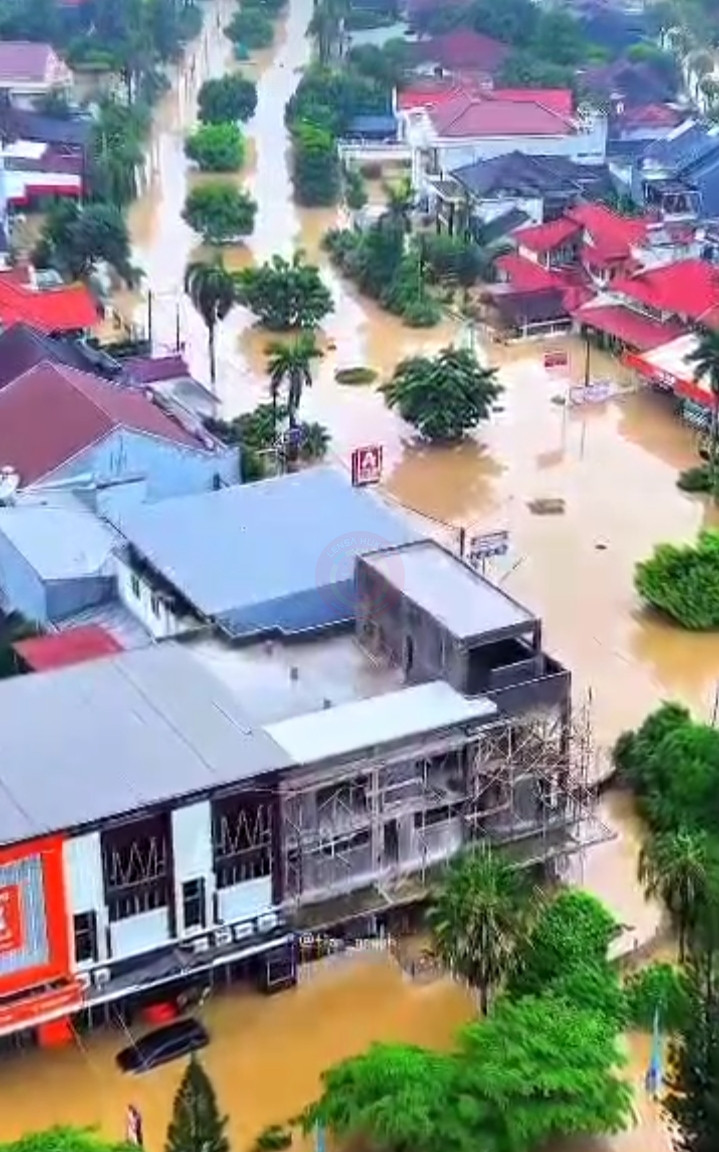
705	359
679	868
211	289
400	201
477	918
291	364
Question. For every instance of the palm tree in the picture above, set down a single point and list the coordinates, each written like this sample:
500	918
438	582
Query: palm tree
478	916
679	868
291	364
705	359
211	289
400	201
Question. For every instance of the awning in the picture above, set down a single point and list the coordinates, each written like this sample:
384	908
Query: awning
639	332
670	369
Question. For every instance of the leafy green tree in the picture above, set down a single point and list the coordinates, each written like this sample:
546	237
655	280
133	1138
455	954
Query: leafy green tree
680	868
355	190
315	165
443	396
64	1139
705	359
74	239
211	289
326	27
227	99
285	294
197	1124
330	98
478	916
524	1096
116	151
385	65
657	988
250	27
291	365
216	148
524	69
394	1096
314	441
682	581
572	929
220	212
692	1096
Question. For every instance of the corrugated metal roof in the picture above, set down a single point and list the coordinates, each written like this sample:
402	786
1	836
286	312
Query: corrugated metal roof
257	543
113	736
349	728
439	583
60	539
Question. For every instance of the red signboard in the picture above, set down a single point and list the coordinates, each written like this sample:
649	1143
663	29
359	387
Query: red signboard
29	1009
556	359
367	465
11	930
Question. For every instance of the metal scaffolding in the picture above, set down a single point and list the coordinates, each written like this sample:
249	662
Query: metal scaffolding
526	783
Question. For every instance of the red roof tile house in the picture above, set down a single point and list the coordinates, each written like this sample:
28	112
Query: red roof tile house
654	306
460	52
29	70
67	309
453	130
60	424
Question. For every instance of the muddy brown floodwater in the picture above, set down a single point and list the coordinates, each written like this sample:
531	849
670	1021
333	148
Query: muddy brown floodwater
614	467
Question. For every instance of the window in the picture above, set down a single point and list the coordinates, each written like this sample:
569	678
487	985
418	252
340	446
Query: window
193	903
147	899
84	926
239	871
135	585
156	602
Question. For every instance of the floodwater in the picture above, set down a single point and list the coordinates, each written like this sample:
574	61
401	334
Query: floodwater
613	466
265	1057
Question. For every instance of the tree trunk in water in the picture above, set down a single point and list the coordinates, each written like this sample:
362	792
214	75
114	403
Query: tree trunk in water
484	1000
211	351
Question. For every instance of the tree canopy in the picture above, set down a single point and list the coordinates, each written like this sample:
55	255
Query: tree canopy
682	581
226	99
212	291
692	1096
251	27
74	239
443	396
220	212
315	164
285	294
216	148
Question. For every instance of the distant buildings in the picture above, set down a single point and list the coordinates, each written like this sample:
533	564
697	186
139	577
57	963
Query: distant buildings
29	70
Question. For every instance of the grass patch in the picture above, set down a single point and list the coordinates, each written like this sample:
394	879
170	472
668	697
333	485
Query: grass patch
355	376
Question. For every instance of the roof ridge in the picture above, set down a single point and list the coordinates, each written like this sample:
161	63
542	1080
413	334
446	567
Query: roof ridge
68	374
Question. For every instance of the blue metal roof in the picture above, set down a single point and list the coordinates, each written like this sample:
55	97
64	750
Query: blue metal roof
683	145
372	126
277	555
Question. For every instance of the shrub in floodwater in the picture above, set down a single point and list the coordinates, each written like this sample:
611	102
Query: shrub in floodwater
658	988
696	479
683	582
275	1138
355	376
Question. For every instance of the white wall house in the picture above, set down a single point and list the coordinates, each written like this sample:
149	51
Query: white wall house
437	149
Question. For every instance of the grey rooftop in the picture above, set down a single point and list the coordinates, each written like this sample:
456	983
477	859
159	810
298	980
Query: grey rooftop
115	735
275	555
439	583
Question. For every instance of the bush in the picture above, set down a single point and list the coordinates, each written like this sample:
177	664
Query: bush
423	312
216	148
250	27
656	988
220	212
273	1139
697	479
355	191
355	376
227	99
683	582
285	295
450	258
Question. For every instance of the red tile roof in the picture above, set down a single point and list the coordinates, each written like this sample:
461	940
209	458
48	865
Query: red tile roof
649	116
687	288
557	100
637	331
613	235
463	48
428	94
53	310
485	115
52	412
58	650
547	237
25	62
526	276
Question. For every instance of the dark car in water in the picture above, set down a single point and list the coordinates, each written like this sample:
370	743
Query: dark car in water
164	1044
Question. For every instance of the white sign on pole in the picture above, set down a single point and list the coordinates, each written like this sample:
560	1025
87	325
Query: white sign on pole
487	545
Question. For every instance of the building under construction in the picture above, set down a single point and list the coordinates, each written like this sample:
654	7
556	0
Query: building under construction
438	721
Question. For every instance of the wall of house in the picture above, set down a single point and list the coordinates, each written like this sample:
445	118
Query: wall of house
171	469
142	600
21	589
487	210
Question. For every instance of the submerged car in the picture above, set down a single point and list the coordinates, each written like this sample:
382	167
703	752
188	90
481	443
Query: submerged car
164	1044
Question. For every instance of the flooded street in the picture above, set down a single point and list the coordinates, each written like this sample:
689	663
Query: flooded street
265	1058
614	467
